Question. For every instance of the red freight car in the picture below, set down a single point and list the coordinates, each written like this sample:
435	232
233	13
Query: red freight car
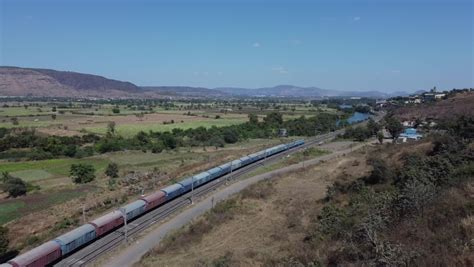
107	222
39	256
154	199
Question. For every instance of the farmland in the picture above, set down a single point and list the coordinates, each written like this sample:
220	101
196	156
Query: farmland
152	144
79	118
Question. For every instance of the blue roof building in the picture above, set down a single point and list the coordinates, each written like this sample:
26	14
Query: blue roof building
410	133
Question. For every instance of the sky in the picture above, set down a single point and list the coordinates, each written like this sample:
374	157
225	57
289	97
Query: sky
383	45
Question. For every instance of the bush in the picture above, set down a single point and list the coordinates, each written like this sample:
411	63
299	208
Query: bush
82	173
112	170
380	172
231	136
13	185
157	147
3	241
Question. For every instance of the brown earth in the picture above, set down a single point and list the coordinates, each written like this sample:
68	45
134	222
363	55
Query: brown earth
460	104
270	220
101	200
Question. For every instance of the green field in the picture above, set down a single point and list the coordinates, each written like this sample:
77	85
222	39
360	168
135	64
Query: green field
44	169
128	130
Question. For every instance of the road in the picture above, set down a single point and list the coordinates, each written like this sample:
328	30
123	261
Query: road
95	250
134	252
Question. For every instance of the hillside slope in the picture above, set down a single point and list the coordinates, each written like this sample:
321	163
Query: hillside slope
462	104
16	81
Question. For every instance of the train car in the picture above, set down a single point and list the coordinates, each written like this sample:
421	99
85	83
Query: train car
235	164
134	209
245	160
154	199
76	238
187	184
39	256
201	178
173	191
225	168
107	222
215	172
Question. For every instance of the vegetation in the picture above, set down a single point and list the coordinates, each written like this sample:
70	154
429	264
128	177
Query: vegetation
14	143
370	228
112	170
3	241
13	186
82	173
394	127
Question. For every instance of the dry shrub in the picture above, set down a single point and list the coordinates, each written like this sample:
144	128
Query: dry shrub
467	224
260	190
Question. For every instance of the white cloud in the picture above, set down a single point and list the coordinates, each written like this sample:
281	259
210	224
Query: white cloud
256	44
356	18
280	70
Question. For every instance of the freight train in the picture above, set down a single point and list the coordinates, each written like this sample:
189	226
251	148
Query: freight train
65	244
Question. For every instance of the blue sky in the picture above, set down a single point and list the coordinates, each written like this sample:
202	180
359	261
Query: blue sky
383	45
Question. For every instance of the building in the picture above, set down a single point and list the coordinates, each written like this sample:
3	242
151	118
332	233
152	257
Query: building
410	133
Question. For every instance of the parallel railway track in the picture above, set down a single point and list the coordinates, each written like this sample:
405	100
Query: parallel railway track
94	250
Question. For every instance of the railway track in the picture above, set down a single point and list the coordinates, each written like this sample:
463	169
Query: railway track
94	250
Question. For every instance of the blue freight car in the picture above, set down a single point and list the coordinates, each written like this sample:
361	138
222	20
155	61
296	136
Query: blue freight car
201	178
134	209
215	172
245	160
76	238
225	167
187	184
173	191
235	164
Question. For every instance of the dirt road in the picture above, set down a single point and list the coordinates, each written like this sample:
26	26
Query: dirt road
135	251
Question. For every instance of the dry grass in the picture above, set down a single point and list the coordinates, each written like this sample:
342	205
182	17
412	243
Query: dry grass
269	225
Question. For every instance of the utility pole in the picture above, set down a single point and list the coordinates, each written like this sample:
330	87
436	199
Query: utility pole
192	189
84	213
124	215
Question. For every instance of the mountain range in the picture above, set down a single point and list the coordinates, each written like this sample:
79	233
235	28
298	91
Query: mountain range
16	81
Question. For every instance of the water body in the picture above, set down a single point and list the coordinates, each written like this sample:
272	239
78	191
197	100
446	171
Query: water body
358	117
355	118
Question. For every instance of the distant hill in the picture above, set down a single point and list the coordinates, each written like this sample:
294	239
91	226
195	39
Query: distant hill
15	81
297	91
185	91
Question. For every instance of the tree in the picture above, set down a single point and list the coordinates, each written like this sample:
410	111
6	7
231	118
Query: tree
112	170
372	126
394	127
380	137
111	129
415	195
216	141
82	173
253	118
3	241
13	185
273	118
53	109
116	110
231	136
53	116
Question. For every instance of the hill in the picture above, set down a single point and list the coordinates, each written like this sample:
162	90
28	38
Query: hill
185	91
297	91
452	107
15	81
